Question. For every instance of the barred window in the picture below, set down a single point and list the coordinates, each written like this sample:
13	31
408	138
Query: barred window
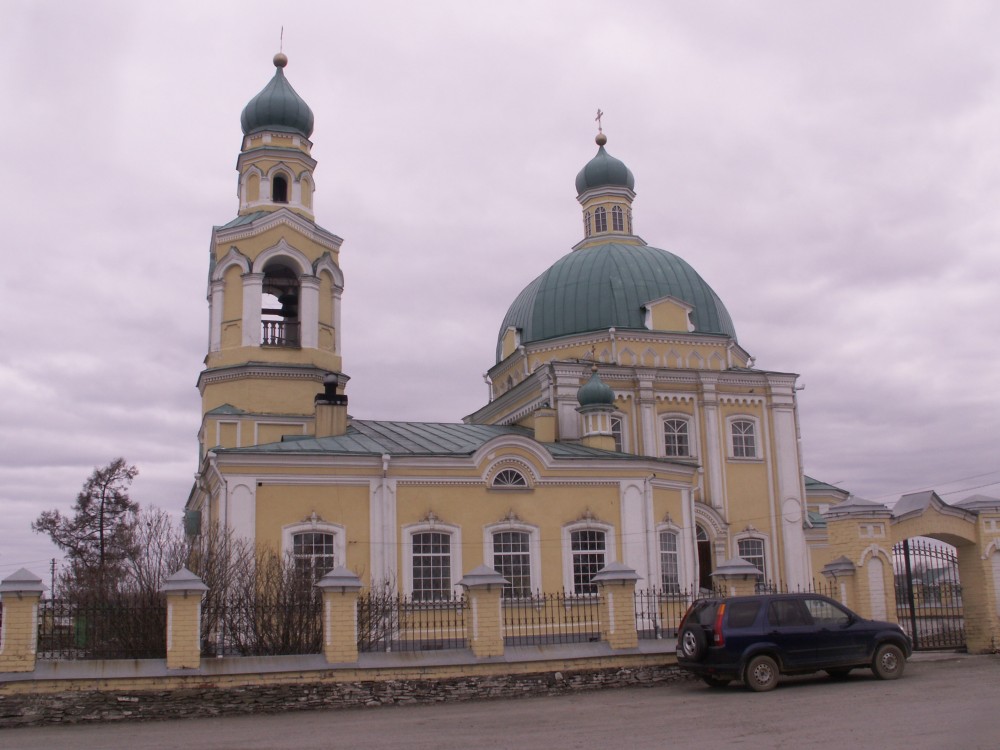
431	566
313	554
669	569
744	438
617	222
752	550
601	219
512	560
509	478
588	547
675	437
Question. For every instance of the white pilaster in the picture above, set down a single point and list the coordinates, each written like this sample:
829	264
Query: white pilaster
253	286
309	312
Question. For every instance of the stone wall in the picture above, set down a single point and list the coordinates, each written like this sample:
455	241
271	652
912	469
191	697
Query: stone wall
80	706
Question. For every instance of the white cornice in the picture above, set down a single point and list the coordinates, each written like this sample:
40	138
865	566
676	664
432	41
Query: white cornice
284	216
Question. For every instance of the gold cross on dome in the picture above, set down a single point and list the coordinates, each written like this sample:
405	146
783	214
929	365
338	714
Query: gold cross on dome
598	119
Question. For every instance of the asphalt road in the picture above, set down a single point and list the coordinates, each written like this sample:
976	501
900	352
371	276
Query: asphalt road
942	702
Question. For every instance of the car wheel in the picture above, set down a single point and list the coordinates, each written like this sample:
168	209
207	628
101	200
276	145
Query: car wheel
715	682
761	674
838	674
692	642
888	662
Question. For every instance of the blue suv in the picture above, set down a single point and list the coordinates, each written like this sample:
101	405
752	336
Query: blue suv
758	638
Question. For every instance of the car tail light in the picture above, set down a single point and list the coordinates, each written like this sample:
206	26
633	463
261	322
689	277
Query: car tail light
717	637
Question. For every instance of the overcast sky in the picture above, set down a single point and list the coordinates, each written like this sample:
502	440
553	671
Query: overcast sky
832	169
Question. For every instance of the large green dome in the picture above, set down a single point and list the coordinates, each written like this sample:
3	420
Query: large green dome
277	107
605	286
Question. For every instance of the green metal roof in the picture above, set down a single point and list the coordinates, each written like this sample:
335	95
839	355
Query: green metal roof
605	286
817	485
375	438
604	170
277	107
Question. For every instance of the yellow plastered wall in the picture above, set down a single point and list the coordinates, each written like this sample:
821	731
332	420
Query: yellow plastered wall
669	315
232	308
253	188
279	505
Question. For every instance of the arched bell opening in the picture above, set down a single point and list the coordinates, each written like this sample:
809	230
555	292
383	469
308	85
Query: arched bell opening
279	313
279	188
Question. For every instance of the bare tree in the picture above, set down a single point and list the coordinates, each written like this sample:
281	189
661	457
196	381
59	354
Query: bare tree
98	537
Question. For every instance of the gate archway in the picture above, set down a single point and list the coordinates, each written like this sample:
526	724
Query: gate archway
929	594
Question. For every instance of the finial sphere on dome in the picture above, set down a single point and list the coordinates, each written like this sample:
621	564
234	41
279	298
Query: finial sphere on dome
601	139
280	60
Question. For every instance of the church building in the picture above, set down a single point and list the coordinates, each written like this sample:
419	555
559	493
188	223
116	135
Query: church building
625	422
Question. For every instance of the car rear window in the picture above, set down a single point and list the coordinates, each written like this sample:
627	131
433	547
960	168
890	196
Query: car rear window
742	614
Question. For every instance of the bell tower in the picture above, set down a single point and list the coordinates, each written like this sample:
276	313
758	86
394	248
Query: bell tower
275	285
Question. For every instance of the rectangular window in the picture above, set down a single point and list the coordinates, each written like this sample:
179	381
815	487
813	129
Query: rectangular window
313	554
744	439
431	566
675	437
752	550
669	570
512	560
588	548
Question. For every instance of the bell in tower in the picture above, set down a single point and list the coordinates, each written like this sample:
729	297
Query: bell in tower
275	284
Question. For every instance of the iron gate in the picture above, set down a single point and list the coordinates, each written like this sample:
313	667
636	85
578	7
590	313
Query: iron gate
929	594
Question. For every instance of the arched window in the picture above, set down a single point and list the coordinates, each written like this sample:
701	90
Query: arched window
617	426
670	578
313	554
676	437
279	189
751	549
601	219
589	549
705	561
431	566
512	560
279	306
586	223
630	221
617	223
509	478
743	433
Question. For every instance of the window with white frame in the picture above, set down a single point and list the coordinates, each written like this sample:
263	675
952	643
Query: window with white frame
670	578
431	566
617	427
512	560
676	437
510	479
617	221
743	433
589	549
313	554
751	549
586	223
600	219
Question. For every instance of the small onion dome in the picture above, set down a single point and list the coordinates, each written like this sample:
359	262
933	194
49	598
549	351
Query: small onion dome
277	107
604	170
595	392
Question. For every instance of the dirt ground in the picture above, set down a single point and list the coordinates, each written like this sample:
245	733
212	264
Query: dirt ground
943	701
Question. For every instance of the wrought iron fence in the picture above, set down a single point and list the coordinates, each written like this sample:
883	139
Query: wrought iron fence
391	622
658	612
121	627
254	629
929	603
551	618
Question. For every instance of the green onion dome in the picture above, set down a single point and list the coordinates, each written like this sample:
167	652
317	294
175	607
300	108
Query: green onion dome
277	107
